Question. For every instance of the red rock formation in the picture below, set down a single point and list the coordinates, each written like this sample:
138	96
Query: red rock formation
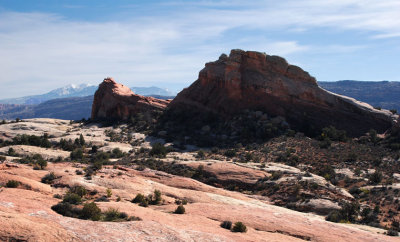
116	101
256	81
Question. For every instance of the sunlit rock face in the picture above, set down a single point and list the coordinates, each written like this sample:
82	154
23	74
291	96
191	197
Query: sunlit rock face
257	81
115	101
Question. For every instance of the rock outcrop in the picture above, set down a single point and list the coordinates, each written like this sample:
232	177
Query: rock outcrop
257	81
116	101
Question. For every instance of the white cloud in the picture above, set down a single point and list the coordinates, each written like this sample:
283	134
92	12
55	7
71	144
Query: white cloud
41	49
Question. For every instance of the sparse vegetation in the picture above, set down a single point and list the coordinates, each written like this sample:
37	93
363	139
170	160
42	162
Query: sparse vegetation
239	227
12	184
226	225
49	178
180	209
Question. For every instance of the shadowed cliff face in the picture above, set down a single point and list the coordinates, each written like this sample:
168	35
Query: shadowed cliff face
116	101
256	81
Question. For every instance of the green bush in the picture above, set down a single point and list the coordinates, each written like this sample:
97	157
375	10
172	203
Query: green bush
49	178
91	211
12	184
156	198
114	215
79	190
72	198
117	153
158	150
180	209
139	198
333	134
239	227
77	154
66	209
392	232
348	213
230	153
226	225
109	192
11	152
38	160
375	177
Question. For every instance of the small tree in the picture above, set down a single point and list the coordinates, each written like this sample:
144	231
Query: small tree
157	197
180	209
109	192
239	227
12	184
226	225
158	150
81	140
91	211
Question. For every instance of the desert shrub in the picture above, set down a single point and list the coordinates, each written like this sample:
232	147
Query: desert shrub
109	192
226	225
373	136
275	175
333	134
2	158
79	190
12	184
77	154
239	227
158	150
49	178
78	172
72	198
94	149
139	198
327	172
334	216
375	177
33	140
91	211
181	202
81	140
201	154
117	153
11	152
113	214
156	198
39	161
230	153
180	209
58	196
352	157
66	209
347	213
394	111
144	203
392	232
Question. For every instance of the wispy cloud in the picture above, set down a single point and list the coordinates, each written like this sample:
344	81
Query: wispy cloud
42	49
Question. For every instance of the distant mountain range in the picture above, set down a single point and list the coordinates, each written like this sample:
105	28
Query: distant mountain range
384	94
75	102
81	91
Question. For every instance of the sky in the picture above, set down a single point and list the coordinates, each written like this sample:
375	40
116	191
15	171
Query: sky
47	44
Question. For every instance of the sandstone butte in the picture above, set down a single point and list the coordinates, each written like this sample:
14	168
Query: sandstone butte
257	81
116	101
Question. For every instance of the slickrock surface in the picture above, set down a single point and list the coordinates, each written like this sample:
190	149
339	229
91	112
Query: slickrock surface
256	81
116	101
25	212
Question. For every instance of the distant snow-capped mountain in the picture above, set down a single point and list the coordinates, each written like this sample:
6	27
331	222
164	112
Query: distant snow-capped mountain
81	90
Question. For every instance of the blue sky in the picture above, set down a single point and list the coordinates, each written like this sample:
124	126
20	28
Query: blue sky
46	44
